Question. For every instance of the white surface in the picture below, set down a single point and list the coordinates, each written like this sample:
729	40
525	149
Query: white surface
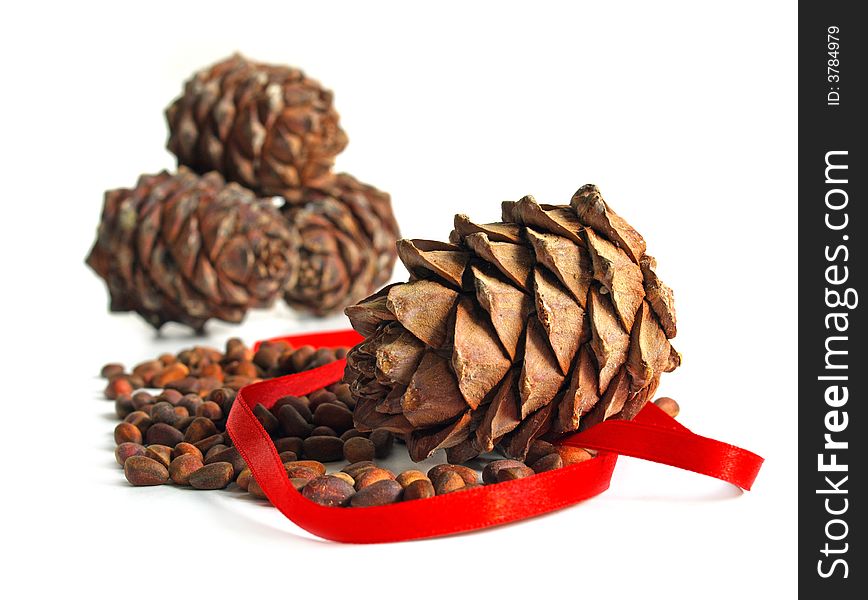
683	113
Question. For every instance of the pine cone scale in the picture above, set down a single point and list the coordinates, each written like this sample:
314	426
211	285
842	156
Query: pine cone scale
541	377
206	280
612	401
516	443
422	444
501	415
433	397
424	308
236	260
370	313
593	212
659	296
507	307
649	349
398	357
444	260
581	395
478	360
561	317
620	277
609	341
512	260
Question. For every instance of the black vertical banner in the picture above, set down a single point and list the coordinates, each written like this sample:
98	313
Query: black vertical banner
833	111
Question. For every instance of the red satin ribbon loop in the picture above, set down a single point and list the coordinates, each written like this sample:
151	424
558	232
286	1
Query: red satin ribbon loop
653	435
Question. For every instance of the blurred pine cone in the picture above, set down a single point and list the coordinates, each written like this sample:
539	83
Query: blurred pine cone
549	321
270	128
348	235
186	248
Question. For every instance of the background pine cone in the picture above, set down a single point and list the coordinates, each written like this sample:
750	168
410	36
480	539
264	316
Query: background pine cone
187	248
270	128
348	235
549	321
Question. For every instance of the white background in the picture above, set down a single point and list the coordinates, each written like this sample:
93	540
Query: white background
683	113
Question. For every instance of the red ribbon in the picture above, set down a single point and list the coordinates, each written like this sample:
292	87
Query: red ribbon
652	435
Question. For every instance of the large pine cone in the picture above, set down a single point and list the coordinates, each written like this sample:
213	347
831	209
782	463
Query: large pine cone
270	128
548	322
187	248
348	237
